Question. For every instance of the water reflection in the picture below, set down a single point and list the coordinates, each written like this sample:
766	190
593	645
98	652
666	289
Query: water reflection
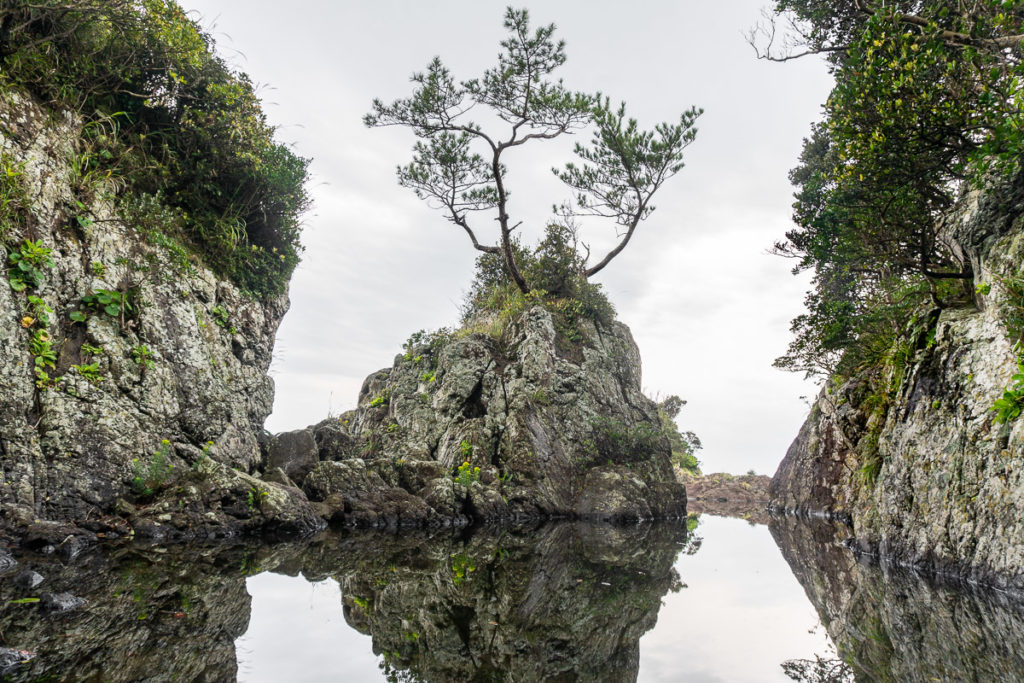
893	625
564	602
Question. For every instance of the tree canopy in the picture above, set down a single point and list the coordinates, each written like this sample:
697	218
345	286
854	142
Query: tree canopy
459	166
927	103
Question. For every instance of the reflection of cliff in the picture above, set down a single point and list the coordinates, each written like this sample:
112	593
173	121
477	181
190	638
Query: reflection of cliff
571	601
146	614
488	606
891	625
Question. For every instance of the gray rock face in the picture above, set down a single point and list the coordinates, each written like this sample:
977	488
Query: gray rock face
505	429
137	399
946	488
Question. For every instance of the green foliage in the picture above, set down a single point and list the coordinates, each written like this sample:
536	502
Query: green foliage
494	298
112	302
41	347
254	498
28	264
382	399
467	474
927	102
462	566
142	356
458	166
90	372
167	118
222	318
683	444
614	442
39	310
150	475
13	200
1010	406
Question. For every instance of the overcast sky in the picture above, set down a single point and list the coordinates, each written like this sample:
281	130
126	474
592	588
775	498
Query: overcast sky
709	308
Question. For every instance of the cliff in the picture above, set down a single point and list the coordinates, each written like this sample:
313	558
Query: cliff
123	368
922	470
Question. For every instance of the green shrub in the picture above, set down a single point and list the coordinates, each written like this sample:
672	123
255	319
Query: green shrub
467	474
150	475
615	442
555	269
28	264
165	117
1010	406
683	444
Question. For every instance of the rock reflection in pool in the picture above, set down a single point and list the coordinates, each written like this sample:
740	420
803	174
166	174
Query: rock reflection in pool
565	602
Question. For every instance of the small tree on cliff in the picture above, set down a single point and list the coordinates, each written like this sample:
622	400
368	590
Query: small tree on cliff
459	166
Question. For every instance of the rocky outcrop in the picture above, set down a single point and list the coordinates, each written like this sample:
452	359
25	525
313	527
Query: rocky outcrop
743	496
467	426
133	382
924	473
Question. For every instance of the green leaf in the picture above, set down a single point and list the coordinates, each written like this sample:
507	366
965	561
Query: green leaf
78	316
112	309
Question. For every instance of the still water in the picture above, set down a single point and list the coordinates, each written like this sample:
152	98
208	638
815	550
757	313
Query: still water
712	600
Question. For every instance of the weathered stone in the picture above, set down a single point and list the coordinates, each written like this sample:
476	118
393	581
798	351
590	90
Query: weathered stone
72	450
516	420
28	579
58	603
333	440
933	481
294	452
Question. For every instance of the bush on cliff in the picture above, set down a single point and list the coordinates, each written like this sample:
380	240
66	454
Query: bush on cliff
165	119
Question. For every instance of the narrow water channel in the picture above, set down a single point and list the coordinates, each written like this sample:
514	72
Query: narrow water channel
713	600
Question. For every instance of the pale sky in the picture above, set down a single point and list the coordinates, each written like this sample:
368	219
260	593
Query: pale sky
708	306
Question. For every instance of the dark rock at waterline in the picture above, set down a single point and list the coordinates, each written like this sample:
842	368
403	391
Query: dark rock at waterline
12	660
28	579
59	603
7	562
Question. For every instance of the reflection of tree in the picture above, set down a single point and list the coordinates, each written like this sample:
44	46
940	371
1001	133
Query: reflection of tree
818	670
693	541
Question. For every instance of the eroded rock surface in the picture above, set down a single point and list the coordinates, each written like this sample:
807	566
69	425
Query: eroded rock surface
518	428
149	413
931	480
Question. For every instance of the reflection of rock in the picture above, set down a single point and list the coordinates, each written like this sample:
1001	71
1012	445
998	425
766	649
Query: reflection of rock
571	601
133	615
533	604
894	625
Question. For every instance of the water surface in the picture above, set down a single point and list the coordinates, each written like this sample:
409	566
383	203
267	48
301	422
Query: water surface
713	600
